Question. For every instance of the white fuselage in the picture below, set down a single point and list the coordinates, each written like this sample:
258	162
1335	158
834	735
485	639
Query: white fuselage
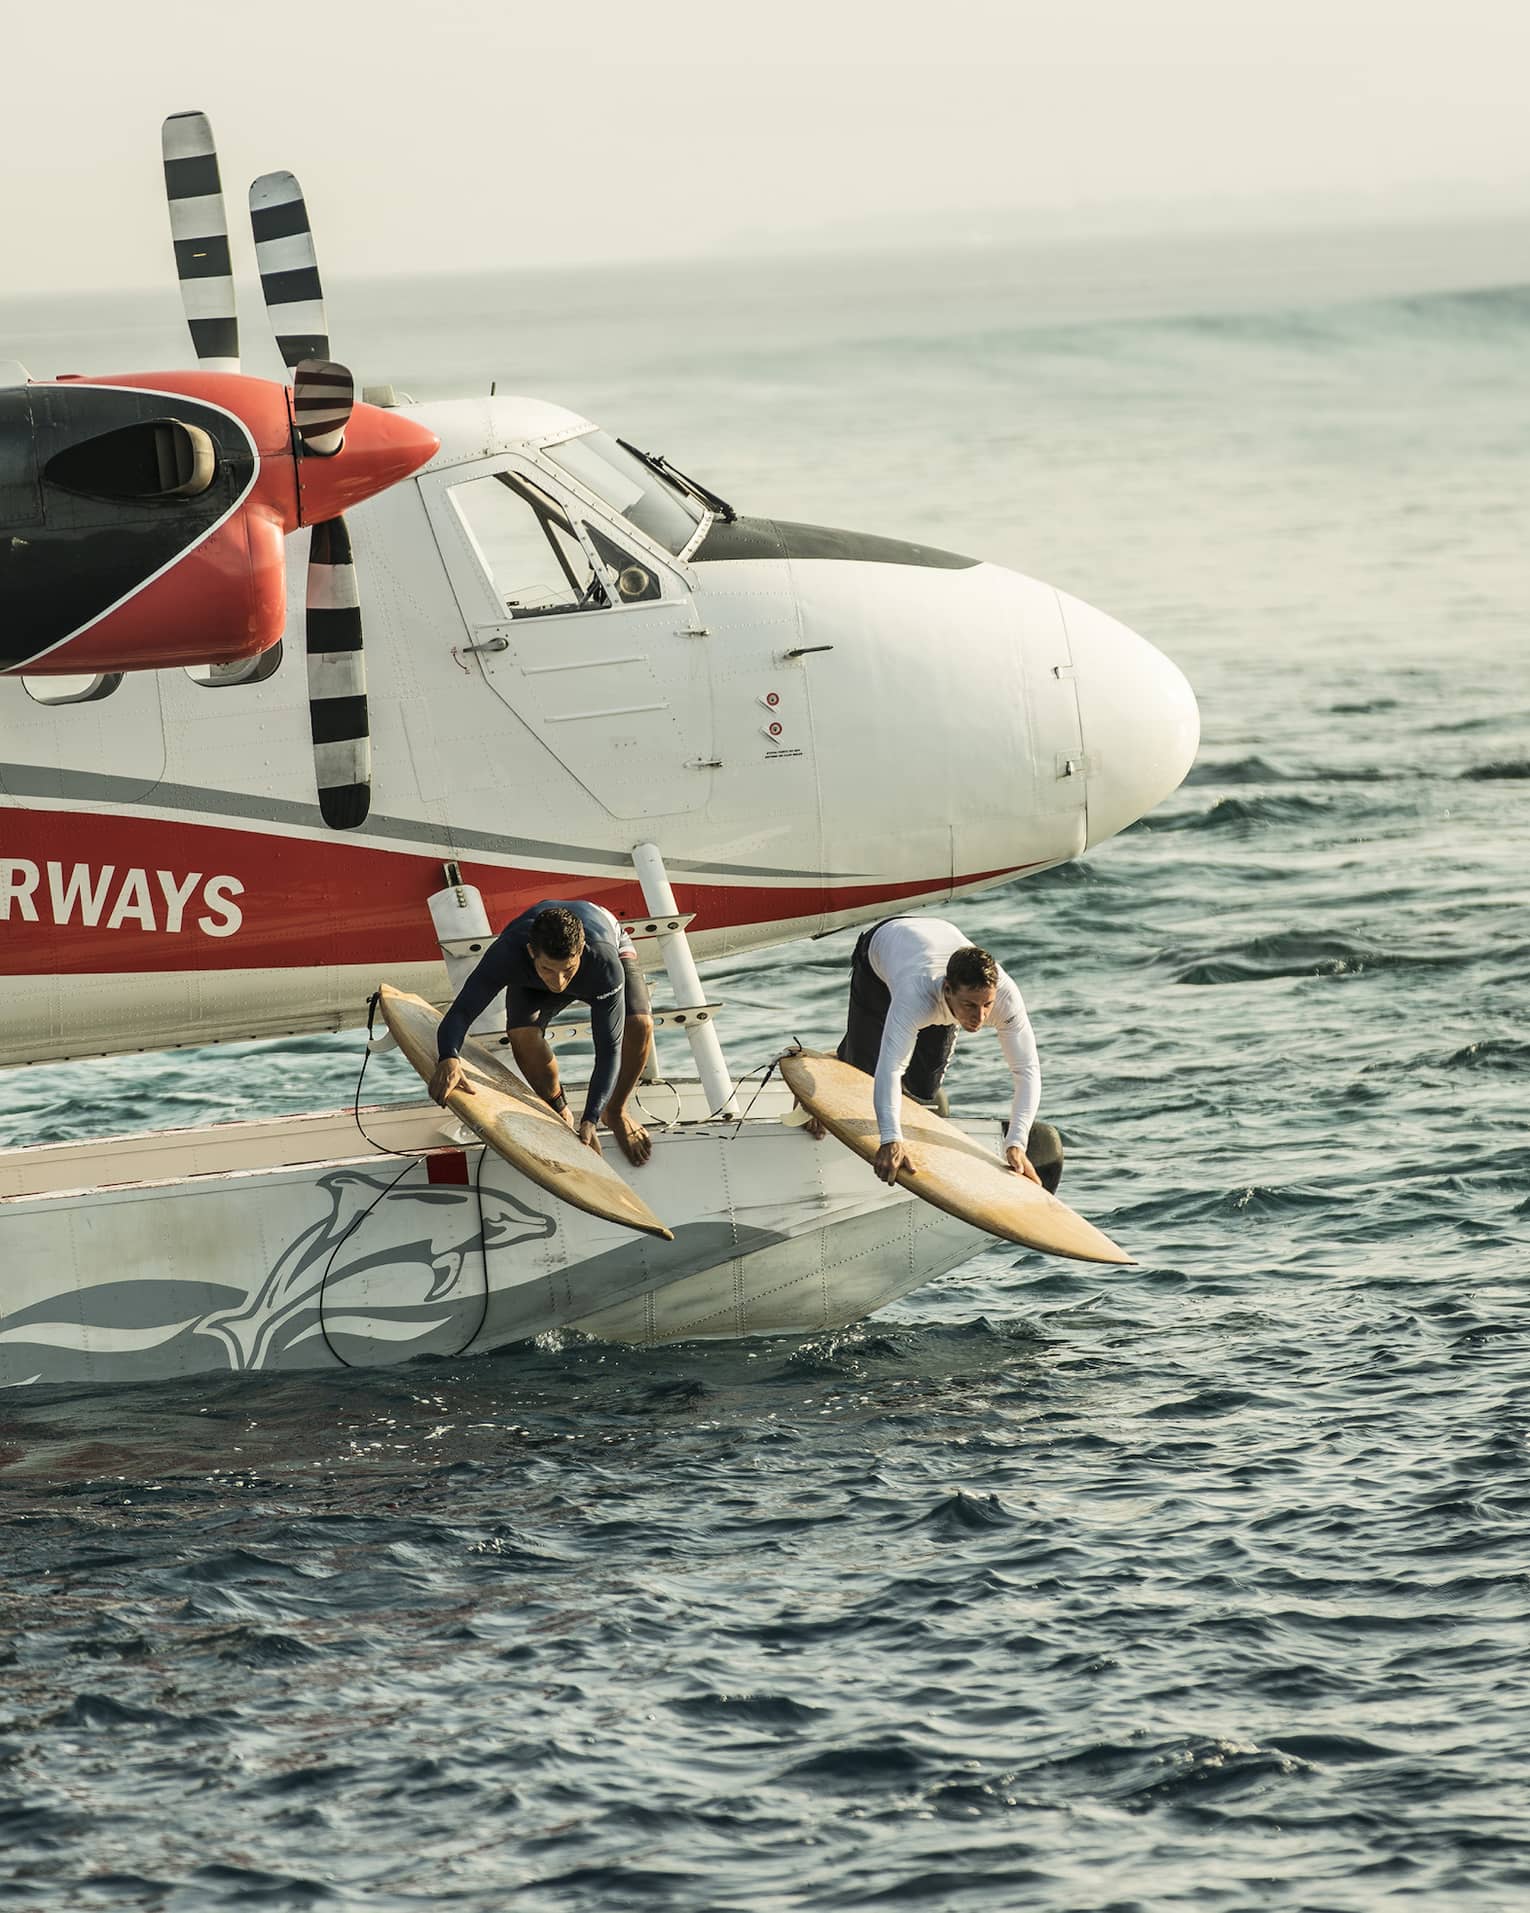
812	741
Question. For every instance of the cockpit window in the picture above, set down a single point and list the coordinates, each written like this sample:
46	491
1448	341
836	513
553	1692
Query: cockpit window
630	487
635	583
526	545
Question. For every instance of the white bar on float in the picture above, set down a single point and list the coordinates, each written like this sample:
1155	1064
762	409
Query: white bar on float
690	997
462	930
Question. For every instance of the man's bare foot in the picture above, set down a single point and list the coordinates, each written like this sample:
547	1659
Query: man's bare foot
632	1139
815	1129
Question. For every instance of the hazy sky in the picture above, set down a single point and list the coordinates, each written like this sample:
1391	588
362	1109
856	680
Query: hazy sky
466	133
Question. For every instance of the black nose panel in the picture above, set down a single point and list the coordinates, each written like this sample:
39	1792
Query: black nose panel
778	538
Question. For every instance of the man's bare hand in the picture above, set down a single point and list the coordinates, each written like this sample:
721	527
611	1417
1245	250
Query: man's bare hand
892	1157
589	1137
448	1075
565	1116
1021	1164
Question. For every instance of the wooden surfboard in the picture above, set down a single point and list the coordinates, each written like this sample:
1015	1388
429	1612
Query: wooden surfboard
516	1123
954	1172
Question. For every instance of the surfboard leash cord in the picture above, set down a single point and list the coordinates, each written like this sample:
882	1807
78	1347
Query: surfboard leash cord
412	1157
770	1070
713	1115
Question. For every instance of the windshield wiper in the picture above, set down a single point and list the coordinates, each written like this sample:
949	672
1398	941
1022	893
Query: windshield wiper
656	462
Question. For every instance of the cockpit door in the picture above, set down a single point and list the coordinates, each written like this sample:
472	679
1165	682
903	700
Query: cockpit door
582	633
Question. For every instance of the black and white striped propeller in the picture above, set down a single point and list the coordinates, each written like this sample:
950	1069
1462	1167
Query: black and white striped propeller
323	395
199	233
289	268
337	679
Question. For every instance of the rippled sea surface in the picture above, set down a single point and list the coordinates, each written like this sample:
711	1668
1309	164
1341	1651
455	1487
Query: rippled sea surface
1204	1584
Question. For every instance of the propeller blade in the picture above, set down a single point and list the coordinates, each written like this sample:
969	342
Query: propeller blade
323	396
199	231
337	680
289	269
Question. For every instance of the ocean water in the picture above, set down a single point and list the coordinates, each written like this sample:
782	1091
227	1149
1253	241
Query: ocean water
1198	1585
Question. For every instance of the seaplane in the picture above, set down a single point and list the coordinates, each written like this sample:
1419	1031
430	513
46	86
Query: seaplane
538	662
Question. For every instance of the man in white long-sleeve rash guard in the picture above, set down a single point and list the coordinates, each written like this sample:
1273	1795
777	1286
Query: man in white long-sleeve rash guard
914	983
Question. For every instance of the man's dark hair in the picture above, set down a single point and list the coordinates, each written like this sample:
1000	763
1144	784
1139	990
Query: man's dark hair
971	969
556	933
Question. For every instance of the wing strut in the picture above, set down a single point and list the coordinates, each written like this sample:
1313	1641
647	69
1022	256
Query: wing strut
691	1007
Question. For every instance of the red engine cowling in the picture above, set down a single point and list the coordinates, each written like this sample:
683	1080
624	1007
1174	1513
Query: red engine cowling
143	518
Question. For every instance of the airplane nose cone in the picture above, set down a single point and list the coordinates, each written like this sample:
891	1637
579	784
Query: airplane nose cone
1140	723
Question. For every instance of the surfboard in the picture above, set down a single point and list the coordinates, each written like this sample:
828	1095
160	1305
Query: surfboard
954	1172
514	1121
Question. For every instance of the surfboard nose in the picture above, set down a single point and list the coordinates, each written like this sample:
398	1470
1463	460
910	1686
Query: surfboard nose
1140	722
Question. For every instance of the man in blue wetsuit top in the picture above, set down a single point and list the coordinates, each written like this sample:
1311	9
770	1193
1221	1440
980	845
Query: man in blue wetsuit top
552	955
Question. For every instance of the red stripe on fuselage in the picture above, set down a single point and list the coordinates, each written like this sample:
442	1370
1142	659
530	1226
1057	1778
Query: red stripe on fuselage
205	897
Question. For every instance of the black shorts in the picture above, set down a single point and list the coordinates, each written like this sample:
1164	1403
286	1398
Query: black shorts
535	1009
867	1017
